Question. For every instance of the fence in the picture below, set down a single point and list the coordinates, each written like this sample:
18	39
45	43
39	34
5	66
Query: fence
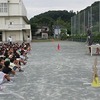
87	18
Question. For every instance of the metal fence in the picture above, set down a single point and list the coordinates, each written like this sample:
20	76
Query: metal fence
87	18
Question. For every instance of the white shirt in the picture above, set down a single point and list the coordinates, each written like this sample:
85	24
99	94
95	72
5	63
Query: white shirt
12	65
2	78
22	57
28	40
9	39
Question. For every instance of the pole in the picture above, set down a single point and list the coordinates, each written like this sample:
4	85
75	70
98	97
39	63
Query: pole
84	21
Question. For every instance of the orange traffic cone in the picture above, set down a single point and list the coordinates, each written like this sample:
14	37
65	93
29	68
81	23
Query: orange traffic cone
58	47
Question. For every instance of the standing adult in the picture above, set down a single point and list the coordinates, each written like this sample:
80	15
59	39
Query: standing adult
89	39
9	40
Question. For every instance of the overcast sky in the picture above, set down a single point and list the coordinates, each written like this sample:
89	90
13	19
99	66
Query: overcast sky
35	7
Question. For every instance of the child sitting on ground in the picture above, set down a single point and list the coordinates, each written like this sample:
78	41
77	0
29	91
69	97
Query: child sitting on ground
7	68
14	65
3	76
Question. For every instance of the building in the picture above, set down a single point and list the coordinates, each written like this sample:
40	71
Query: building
43	32
57	31
13	21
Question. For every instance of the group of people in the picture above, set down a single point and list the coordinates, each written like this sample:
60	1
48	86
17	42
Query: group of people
12	57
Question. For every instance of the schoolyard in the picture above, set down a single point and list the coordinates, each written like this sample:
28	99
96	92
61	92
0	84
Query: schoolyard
52	74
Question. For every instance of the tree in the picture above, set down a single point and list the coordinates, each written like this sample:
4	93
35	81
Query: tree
51	18
33	29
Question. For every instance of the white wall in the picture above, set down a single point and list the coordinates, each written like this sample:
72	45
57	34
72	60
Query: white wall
16	7
16	35
1	21
14	20
12	23
23	21
14	1
3	1
13	9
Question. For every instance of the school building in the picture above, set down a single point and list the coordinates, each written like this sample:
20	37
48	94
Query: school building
14	21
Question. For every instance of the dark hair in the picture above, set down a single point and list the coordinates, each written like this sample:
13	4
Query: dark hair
7	63
0	66
12	60
1	58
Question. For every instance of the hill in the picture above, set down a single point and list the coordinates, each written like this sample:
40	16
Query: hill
51	18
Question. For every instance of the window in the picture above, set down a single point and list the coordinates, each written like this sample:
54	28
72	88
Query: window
10	23
3	7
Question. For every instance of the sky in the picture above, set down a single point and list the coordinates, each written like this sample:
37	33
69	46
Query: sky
36	7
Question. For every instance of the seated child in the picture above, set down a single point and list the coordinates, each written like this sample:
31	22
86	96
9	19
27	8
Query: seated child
7	68
3	76
14	65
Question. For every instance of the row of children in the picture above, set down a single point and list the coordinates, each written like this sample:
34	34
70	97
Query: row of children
12	56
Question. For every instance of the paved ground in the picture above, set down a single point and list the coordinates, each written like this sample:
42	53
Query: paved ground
54	75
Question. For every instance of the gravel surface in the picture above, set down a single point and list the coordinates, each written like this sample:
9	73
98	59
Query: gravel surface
52	74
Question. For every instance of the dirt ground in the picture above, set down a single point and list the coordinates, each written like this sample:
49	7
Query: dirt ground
52	74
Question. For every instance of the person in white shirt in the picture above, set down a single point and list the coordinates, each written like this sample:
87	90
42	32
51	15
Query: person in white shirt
9	40
3	76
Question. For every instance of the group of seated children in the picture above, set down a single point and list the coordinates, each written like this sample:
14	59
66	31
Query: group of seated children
12	56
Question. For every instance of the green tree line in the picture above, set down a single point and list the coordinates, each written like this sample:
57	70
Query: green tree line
51	18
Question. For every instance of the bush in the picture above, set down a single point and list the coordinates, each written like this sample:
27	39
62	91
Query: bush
63	36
